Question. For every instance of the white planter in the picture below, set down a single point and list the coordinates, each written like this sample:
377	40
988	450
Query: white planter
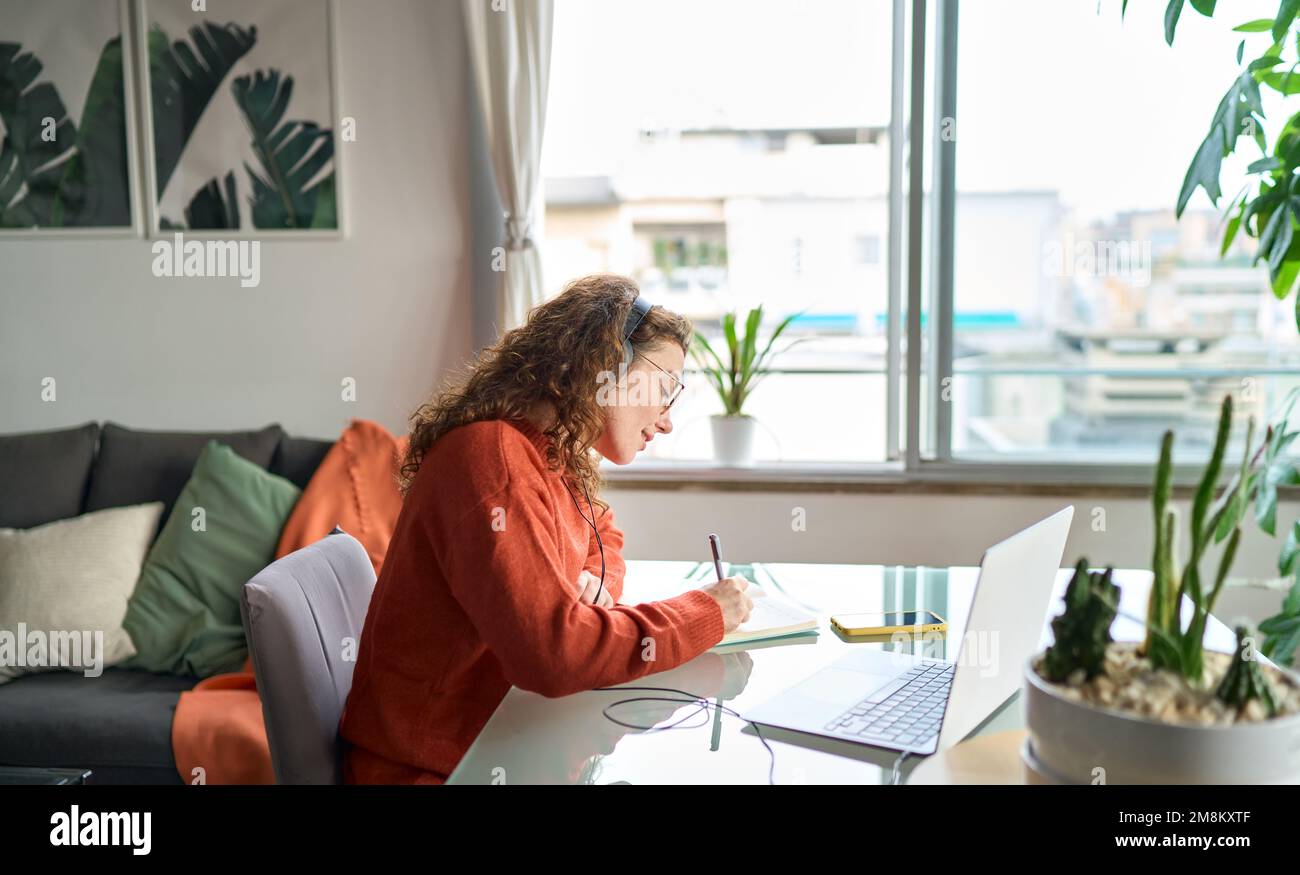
733	438
1068	740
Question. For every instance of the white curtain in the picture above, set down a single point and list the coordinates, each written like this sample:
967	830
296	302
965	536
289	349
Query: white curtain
510	53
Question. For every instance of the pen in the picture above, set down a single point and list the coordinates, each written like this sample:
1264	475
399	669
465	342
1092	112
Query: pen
717	705
717	555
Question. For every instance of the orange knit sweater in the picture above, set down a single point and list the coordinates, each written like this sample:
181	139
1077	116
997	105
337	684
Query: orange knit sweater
478	592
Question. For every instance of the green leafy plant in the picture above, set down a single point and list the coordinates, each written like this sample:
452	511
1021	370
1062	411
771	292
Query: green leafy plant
1082	631
1268	207
1169	644
1282	631
1255	486
745	365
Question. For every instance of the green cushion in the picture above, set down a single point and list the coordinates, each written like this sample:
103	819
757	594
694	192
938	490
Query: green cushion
184	614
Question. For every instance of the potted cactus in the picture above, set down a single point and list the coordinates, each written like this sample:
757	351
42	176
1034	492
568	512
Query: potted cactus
1165	710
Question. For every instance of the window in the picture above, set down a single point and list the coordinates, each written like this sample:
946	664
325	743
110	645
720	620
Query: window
866	249
728	154
739	152
1086	318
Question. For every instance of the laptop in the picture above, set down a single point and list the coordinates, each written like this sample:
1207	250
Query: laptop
904	702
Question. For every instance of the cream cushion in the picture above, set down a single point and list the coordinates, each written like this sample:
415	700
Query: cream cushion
71	579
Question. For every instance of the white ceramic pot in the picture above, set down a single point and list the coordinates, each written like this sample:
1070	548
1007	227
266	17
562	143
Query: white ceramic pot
733	438
1068	741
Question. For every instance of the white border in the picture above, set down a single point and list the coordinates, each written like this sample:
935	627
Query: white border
152	217
134	230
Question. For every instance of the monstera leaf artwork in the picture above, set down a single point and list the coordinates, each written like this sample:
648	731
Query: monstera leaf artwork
182	82
214	206
292	155
293	186
54	174
234	145
289	182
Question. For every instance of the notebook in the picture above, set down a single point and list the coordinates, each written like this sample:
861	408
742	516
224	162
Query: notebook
770	618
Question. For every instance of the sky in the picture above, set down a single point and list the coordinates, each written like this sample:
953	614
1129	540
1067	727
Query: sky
1052	94
1059	95
620	65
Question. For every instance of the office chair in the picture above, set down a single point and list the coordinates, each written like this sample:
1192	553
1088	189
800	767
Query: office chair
296	613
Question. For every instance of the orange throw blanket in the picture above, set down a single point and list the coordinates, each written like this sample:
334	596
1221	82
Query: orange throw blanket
218	735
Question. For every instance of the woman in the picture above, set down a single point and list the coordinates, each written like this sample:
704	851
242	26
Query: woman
503	569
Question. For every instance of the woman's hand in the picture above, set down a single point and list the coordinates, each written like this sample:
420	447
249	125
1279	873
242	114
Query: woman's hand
588	586
729	593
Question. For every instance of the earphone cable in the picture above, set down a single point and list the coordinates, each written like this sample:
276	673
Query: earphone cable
704	705
596	531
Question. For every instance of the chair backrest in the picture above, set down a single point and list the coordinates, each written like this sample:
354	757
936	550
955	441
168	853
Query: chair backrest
299	613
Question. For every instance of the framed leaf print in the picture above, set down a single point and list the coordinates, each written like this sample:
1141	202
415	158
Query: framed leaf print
241	118
67	119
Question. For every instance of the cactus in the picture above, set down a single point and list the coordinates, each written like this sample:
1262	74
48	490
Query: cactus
1244	679
1082	631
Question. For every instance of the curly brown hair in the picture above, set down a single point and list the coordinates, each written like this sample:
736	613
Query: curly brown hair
556	358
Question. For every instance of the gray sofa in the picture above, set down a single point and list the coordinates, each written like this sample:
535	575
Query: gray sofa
119	724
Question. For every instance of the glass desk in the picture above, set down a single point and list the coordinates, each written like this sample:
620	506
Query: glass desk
531	739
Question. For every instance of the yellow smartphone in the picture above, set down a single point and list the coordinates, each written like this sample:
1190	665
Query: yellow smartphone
910	622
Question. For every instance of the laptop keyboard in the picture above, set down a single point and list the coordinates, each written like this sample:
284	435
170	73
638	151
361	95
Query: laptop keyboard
906	711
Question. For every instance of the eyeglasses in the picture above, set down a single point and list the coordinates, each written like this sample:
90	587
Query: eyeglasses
678	387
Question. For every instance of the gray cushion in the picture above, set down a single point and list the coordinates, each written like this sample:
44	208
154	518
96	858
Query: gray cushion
118	724
44	475
297	612
296	459
135	467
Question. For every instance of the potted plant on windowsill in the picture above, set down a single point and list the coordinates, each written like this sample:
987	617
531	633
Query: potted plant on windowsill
734	379
1165	710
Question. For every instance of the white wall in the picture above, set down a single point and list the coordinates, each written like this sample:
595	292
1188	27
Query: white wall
389	306
935	530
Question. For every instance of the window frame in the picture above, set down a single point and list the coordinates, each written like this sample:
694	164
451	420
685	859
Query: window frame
916	452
